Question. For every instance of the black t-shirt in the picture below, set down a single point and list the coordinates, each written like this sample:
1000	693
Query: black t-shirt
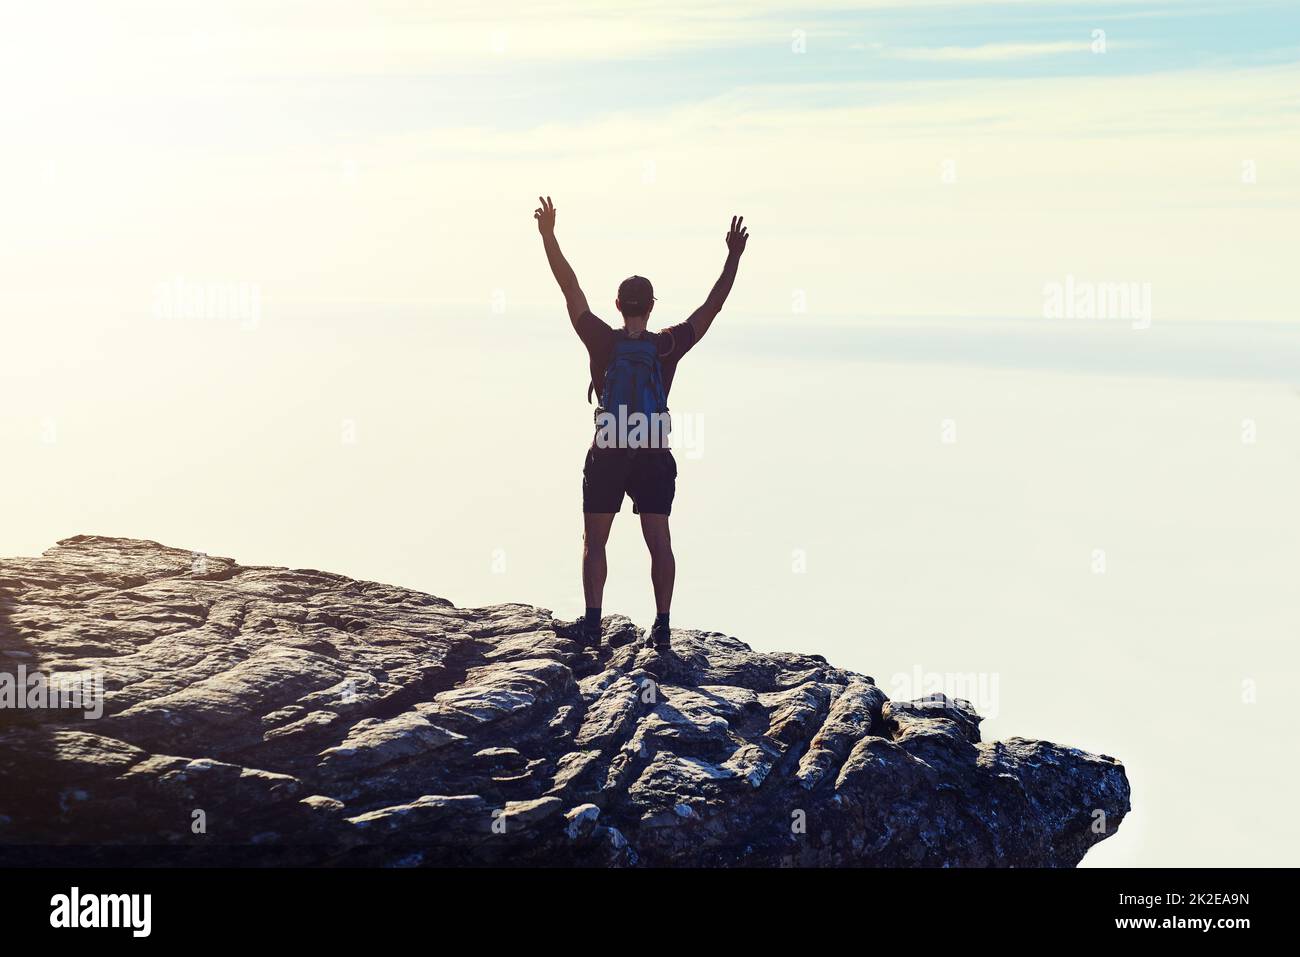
599	336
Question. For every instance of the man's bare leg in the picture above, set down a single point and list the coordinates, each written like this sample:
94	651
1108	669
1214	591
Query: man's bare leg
663	571
595	533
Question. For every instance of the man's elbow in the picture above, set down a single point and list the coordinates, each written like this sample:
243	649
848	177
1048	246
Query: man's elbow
701	321
576	304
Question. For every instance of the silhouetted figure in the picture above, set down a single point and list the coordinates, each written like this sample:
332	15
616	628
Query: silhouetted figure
631	372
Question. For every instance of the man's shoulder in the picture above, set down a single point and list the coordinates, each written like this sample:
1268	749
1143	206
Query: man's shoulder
674	340
593	329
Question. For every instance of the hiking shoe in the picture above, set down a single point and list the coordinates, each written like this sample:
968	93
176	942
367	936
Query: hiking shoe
588	634
657	637
578	633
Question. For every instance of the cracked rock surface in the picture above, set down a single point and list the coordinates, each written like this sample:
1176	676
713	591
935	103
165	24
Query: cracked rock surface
268	715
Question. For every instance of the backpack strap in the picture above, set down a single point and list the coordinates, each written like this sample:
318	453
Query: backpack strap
591	386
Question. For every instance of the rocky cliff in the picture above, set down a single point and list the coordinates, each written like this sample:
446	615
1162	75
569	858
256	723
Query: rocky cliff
266	715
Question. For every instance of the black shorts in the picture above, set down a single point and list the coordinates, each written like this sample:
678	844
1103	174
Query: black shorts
649	476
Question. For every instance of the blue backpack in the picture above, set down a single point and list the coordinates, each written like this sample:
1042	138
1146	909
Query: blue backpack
633	378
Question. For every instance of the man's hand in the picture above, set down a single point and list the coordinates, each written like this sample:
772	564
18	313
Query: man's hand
545	216
736	238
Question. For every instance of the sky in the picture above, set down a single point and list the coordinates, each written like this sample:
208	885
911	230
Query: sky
271	285
920	159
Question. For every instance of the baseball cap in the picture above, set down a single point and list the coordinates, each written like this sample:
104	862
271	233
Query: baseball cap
635	295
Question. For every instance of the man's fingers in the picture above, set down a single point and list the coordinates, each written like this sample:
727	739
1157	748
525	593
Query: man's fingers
740	222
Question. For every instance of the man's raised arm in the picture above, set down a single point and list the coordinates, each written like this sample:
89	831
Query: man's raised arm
574	298
702	317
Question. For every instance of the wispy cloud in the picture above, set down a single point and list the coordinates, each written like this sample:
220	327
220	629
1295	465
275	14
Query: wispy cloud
988	52
143	40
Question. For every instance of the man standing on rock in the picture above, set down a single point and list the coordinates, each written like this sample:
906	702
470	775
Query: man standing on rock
631	373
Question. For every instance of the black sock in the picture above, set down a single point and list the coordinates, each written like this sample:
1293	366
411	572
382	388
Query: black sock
593	617
661	620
